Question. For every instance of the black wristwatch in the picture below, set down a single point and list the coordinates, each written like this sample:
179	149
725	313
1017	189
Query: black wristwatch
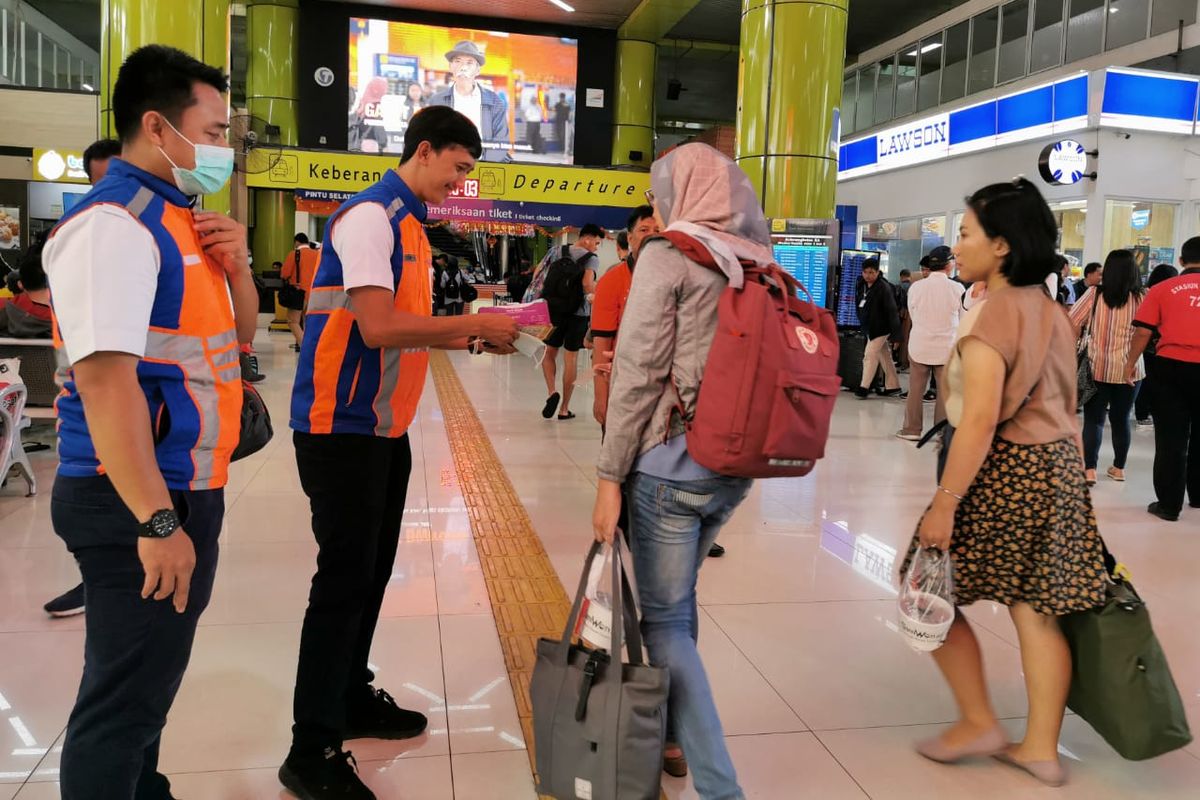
161	525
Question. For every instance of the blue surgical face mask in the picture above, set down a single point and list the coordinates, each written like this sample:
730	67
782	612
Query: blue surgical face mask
214	167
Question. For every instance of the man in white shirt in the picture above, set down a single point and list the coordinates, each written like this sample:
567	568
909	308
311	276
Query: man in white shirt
151	298
935	305
487	109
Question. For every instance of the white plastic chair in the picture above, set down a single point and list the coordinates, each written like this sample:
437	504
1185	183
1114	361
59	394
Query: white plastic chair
12	452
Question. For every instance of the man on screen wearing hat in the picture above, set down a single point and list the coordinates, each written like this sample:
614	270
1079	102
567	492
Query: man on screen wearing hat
487	109
935	305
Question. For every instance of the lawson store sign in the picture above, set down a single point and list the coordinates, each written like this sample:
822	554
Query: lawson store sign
1127	99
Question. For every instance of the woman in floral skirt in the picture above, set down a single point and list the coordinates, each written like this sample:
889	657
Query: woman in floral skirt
1012	506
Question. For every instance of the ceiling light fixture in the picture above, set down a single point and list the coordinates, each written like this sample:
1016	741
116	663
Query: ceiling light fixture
929	48
563	6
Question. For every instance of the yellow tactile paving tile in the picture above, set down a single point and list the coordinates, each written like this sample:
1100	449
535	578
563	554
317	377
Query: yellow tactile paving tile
528	600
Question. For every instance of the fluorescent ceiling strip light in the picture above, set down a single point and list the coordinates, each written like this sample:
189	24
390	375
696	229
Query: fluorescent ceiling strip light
563	6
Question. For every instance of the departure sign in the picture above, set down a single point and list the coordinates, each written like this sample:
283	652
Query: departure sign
807	259
808	249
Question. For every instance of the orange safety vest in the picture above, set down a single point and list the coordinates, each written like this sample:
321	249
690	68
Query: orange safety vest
191	374
343	386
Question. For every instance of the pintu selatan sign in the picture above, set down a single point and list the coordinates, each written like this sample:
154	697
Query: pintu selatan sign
925	140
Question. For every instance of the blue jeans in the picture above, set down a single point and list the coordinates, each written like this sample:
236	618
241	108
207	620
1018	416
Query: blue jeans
674	523
1114	400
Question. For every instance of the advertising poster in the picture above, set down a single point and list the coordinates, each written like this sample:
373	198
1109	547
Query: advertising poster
10	228
519	90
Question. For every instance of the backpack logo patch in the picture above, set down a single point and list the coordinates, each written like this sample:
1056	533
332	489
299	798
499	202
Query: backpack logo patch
808	339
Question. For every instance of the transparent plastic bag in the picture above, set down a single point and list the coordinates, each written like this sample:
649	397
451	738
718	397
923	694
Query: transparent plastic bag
926	602
596	628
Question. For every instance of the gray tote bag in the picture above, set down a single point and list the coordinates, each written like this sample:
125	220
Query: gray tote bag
598	723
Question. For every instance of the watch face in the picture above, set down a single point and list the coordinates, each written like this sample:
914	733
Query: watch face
164	523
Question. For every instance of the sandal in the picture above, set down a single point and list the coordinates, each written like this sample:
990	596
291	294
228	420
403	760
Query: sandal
551	405
675	766
567	416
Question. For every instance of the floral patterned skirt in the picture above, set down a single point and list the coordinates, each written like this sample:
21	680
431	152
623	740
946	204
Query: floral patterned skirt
1026	532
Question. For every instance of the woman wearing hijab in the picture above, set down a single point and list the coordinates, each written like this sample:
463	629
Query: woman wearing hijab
367	119
676	506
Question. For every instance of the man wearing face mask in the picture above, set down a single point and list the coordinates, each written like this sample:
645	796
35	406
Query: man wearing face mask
151	300
481	105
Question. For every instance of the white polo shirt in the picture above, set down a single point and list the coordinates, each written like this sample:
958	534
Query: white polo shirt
470	106
935	305
102	266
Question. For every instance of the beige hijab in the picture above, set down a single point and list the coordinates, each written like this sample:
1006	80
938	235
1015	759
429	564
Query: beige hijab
700	192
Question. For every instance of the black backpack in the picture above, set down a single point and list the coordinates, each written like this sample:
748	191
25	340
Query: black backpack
563	289
453	288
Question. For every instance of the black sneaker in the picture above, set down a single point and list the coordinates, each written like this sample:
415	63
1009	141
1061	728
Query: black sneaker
375	715
716	551
325	777
67	604
861	393
1157	510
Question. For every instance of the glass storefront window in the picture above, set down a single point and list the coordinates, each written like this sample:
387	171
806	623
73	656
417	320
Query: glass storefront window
864	116
1071	217
849	99
1047	35
1085	29
954	73
906	80
1128	21
901	242
931	72
1169	13
1146	228
885	90
1014	36
981	71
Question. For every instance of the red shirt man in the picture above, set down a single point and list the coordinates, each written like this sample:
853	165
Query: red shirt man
609	304
1172	308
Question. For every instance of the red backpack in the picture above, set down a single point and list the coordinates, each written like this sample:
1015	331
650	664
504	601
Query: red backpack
770	382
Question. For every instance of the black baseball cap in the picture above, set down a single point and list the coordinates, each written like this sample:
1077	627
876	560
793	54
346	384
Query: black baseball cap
940	256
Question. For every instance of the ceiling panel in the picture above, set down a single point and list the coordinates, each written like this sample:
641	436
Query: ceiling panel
872	22
588	13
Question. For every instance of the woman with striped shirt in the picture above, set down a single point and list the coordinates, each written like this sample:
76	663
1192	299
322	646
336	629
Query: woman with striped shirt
1110	307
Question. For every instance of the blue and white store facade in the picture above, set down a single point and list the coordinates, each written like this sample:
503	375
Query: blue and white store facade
1126	174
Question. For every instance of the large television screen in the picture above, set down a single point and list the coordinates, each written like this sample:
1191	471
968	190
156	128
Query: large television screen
519	90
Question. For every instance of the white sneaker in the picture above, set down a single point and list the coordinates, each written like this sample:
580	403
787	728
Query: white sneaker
908	437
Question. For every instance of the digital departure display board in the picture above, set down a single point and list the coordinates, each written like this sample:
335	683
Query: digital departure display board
808	249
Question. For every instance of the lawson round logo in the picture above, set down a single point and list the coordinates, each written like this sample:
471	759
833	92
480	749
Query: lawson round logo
1063	163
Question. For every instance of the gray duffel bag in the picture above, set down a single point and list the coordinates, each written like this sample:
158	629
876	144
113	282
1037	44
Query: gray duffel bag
599	729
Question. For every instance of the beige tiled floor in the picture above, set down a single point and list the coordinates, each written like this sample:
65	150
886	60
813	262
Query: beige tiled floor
818	695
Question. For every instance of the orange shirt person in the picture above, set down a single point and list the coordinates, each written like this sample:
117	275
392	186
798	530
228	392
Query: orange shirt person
612	290
299	269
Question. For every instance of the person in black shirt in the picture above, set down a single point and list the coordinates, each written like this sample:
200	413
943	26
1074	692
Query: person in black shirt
880	323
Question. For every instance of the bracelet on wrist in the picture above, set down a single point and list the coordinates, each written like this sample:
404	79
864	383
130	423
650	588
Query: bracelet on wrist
944	490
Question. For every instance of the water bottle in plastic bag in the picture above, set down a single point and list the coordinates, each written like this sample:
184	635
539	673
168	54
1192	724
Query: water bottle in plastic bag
596	630
926	602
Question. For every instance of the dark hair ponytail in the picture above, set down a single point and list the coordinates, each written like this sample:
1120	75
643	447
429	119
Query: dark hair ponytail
1017	212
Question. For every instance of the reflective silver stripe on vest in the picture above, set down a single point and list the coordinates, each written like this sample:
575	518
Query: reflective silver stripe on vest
190	354
140	201
327	300
388	381
393	208
222	340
